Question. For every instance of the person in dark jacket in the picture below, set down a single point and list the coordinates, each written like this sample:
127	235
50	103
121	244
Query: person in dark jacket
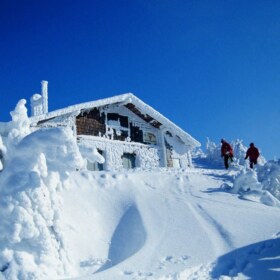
226	152
253	154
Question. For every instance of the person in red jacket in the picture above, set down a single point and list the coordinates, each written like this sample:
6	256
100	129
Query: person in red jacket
253	154
226	152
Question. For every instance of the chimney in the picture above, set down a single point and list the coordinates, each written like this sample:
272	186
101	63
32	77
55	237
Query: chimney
39	102
45	96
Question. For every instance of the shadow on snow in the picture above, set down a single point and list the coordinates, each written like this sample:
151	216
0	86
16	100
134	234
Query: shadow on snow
258	261
128	238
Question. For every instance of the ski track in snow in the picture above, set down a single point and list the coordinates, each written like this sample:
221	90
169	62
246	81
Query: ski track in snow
130	235
122	245
218	235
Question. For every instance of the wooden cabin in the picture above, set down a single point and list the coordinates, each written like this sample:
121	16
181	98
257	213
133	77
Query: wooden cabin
127	132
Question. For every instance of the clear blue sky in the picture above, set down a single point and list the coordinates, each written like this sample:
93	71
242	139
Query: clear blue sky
212	67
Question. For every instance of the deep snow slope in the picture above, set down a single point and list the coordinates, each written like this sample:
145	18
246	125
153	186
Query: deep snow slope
166	225
59	221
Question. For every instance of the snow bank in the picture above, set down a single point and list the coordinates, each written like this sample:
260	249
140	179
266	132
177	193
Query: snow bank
36	169
248	186
59	221
34	173
155	225
246	181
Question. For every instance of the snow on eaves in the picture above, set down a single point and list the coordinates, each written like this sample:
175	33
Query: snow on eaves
82	106
122	99
185	137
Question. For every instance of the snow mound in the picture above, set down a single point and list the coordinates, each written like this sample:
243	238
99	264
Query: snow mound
248	186
269	176
30	242
246	180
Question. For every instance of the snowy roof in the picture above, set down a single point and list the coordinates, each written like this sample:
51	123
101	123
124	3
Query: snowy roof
131	102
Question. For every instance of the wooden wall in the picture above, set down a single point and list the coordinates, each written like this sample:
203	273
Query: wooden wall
91	123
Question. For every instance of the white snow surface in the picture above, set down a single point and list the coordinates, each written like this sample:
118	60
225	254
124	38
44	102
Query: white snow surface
60	221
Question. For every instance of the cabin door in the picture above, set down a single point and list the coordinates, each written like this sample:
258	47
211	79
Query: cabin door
129	160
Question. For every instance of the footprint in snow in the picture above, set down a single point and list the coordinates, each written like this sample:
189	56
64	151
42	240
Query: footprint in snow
138	274
93	262
169	260
150	186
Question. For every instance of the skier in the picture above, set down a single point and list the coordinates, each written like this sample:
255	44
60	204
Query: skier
253	154
226	152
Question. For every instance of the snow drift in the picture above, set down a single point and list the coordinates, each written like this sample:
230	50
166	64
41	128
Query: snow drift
59	220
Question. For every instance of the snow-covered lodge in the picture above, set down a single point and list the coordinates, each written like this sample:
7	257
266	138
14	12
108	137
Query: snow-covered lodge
127	132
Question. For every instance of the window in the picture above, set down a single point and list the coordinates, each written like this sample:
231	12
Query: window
136	134
150	138
121	120
112	117
124	121
118	125
129	160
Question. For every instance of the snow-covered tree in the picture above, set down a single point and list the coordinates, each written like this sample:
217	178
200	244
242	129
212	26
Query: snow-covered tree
20	125
18	128
29	203
213	152
269	176
239	151
246	180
